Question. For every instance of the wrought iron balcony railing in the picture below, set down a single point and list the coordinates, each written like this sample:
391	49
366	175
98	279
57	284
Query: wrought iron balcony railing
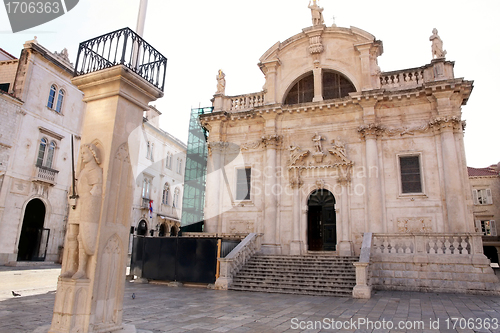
122	47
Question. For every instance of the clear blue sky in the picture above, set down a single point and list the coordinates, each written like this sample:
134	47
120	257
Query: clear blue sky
199	37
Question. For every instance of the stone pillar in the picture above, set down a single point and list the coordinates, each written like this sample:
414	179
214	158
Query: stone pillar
91	300
455	201
214	182
318	83
270	69
345	246
270	244
296	243
368	53
373	191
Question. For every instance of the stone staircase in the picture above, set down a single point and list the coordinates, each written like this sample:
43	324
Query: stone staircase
311	274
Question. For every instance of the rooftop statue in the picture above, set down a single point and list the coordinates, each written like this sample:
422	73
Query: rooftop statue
221	82
437	45
316	12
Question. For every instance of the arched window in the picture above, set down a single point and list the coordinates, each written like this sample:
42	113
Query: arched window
302	91
175	203
41	152
45	153
166	192
60	99
50	154
336	85
179	167
52	96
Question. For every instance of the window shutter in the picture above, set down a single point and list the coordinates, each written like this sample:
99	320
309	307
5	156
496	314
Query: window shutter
493	227
474	197
489	197
478	225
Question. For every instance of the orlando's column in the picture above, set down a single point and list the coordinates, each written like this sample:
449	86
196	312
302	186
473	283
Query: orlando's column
91	286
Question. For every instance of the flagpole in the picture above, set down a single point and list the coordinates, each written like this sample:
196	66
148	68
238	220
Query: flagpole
141	18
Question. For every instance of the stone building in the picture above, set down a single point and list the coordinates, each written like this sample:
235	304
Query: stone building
332	148
40	110
159	184
485	184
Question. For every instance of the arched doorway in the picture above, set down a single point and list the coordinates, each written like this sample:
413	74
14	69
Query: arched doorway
321	221
142	228
173	231
33	241
163	230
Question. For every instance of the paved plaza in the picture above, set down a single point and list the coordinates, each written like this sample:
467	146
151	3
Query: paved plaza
159	308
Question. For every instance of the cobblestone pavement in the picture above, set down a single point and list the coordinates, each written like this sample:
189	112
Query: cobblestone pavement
158	308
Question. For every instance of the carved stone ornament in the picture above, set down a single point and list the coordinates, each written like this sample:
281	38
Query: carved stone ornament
447	122
296	155
315	45
371	130
272	140
414	224
218	146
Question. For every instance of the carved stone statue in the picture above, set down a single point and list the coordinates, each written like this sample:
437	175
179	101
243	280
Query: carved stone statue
82	232
317	142
437	45
221	82
316	12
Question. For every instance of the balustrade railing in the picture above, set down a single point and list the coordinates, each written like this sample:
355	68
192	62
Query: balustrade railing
46	174
408	78
442	244
122	47
246	102
234	261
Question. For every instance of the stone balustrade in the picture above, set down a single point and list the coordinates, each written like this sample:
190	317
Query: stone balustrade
45	174
246	102
234	261
409	78
447	244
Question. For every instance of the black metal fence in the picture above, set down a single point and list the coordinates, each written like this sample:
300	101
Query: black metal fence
122	47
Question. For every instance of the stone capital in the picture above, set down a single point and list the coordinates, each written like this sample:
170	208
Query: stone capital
272	141
371	131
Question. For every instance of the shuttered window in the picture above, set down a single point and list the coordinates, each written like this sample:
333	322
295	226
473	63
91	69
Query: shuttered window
411	180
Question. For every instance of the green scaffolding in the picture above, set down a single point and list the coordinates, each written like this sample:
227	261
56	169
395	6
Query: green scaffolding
193	200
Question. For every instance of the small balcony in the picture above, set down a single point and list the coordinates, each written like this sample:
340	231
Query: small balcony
45	174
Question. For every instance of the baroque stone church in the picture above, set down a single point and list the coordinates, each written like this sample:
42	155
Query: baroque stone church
333	148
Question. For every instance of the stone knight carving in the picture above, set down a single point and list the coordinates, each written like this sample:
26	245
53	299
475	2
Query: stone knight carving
316	12
437	45
317	142
82	232
221	83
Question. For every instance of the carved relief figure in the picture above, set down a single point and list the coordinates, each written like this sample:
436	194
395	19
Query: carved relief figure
316	12
82	232
437	45
221	82
296	154
317	142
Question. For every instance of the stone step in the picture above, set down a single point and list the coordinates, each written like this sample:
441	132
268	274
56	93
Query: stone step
313	292
309	274
298	277
294	283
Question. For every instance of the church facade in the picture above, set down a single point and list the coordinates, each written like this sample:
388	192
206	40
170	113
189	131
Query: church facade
333	148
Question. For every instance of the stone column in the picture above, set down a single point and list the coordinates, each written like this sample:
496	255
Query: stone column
214	182
318	83
368	53
345	246
296	243
270	68
453	185
270	244
373	191
91	300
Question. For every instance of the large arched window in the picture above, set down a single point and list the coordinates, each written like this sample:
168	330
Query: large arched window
336	85
302	91
175	202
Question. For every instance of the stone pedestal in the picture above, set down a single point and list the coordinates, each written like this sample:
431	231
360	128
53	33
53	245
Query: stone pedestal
92	299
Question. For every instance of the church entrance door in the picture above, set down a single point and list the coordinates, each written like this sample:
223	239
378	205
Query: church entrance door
321	221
